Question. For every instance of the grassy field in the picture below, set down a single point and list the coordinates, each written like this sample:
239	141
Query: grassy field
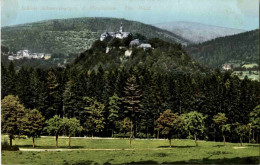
246	73
85	151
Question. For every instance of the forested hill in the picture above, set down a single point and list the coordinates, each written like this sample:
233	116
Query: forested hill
70	36
163	57
239	48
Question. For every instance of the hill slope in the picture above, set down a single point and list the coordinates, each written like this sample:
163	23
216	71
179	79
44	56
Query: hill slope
197	32
69	36
240	48
162	58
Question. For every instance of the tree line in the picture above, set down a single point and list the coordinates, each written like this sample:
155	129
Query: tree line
137	102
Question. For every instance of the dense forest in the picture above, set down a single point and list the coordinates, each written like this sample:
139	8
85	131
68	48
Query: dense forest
240	48
107	95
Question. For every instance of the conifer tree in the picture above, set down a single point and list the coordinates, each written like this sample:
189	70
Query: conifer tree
132	102
95	121
113	108
53	94
23	89
69	100
4	81
11	88
43	95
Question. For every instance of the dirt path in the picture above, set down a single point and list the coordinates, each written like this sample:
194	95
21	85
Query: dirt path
239	147
86	149
91	149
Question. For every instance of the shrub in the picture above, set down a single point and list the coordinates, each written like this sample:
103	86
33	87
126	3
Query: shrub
122	135
140	135
6	147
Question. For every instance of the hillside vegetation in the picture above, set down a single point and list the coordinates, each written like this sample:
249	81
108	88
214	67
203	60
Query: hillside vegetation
164	57
68	36
241	48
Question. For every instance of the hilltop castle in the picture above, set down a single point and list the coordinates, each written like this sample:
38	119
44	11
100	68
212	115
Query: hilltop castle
120	34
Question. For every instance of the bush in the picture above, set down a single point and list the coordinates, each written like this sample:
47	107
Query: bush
140	135
20	136
122	135
6	147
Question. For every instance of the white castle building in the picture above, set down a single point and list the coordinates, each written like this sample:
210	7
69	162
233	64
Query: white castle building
121	34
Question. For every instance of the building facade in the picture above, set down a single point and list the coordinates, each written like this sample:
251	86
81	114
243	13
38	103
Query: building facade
121	34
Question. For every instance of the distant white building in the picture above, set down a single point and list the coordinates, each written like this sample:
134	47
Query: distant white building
135	42
10	57
121	34
108	49
128	53
41	55
24	53
226	67
145	46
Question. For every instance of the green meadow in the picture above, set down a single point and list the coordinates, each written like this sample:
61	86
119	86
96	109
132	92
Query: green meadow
117	151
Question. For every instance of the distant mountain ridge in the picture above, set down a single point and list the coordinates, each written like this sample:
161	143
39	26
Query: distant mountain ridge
197	32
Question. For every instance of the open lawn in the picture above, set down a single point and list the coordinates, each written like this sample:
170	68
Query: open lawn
117	151
251	76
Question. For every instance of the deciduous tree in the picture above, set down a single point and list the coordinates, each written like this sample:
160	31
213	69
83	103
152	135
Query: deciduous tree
255	120
55	127
195	124
241	131
220	119
12	113
71	127
169	123
32	124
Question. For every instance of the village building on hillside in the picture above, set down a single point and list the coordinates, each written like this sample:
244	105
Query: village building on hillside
121	34
135	42
139	44
226	67
25	54
145	46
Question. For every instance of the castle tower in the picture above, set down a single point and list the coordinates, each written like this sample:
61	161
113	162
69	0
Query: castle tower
121	27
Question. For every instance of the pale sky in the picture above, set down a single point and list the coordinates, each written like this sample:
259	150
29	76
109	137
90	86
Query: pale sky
240	14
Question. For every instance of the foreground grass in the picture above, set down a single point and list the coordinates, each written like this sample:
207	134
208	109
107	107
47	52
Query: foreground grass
144	152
